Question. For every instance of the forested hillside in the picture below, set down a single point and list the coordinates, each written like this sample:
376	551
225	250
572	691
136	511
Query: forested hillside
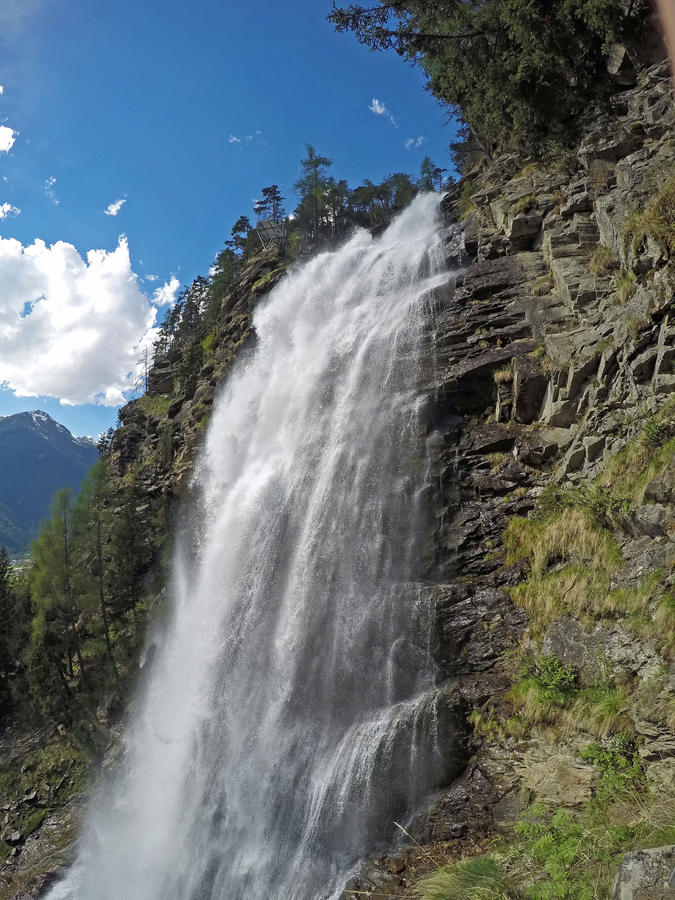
37	457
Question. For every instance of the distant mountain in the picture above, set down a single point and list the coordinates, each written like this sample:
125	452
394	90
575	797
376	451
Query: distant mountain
37	458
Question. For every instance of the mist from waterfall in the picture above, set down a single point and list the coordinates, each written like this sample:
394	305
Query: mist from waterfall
290	714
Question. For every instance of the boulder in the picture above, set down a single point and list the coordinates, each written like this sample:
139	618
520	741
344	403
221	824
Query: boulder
646	875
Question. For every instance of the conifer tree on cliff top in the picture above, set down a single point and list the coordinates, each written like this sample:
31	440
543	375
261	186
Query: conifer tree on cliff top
516	71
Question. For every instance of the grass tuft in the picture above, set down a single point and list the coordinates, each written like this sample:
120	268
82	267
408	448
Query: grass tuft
472	879
656	222
602	261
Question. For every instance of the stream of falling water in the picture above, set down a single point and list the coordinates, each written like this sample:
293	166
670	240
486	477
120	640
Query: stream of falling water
290	714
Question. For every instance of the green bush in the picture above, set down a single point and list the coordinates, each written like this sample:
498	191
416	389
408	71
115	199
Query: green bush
551	681
656	433
618	763
625	286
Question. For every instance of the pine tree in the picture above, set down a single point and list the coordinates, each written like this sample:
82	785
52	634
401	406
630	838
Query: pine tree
240	232
312	186
518	72
55	645
93	574
271	206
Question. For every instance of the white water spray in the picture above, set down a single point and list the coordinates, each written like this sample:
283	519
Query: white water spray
290	716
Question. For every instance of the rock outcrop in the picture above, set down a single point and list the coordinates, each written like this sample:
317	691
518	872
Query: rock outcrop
552	351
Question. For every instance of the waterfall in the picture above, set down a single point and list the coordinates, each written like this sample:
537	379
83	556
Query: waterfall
291	714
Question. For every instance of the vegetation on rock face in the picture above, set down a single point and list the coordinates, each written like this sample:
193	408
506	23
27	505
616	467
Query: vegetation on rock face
556	854
474	879
518	72
74	613
656	222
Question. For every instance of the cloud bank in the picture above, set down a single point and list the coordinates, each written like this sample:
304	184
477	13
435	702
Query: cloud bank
73	327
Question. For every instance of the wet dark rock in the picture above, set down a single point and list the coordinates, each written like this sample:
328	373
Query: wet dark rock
464	810
476	625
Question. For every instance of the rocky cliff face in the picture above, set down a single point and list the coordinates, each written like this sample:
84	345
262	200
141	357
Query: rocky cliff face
159	433
551	419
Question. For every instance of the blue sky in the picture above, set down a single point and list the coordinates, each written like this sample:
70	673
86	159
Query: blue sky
183	110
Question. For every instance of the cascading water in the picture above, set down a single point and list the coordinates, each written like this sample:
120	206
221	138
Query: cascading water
290	715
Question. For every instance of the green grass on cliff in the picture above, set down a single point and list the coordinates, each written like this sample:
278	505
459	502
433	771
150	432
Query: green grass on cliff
55	771
556	854
656	222
473	879
155	406
573	554
572	561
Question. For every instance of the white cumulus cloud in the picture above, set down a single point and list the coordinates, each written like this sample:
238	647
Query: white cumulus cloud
7	138
2	90
6	209
380	109
72	327
115	207
233	139
166	294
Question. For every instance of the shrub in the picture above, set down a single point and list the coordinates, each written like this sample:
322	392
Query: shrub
157	407
552	681
618	763
655	433
555	843
629	472
209	342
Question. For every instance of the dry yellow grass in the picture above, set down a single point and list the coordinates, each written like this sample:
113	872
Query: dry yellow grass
586	557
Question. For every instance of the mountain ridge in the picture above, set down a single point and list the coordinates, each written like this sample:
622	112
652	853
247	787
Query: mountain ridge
38	456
